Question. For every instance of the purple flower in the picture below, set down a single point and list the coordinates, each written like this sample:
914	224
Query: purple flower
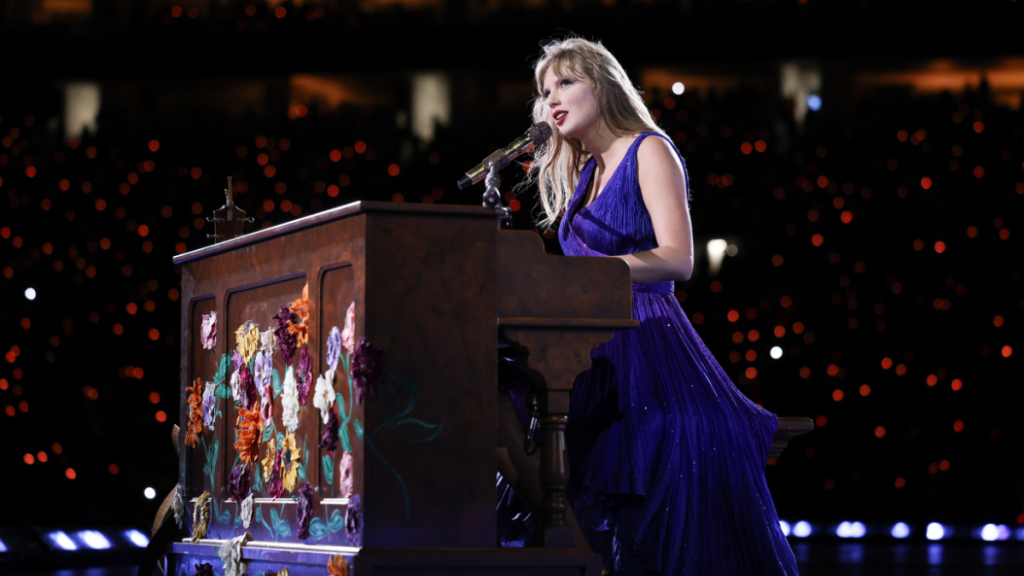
267	404
236	360
240	484
329	439
210	406
208	333
247	387
354	520
204	569
367	368
305	511
276	486
333	348
285	339
347	478
304	376
263	369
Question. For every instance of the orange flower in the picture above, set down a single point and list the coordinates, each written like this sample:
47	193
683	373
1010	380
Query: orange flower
194	428
301	308
250	430
338	566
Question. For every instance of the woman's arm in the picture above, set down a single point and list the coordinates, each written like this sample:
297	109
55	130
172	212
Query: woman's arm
663	187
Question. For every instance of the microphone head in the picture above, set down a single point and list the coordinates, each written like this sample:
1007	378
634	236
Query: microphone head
540	132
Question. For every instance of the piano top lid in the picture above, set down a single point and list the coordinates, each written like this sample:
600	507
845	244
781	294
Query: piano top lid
313	220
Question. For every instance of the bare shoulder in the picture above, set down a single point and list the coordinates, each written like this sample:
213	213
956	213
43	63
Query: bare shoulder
656	152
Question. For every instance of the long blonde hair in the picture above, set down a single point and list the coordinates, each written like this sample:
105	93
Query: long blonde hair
557	166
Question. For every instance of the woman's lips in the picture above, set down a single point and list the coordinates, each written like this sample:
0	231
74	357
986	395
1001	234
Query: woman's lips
562	119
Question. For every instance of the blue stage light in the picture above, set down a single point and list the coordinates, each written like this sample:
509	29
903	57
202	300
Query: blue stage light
3	547
814	102
900	530
137	538
94	539
802	529
62	540
785	527
935	531
989	533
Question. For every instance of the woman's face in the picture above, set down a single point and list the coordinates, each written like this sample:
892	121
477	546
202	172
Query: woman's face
570	104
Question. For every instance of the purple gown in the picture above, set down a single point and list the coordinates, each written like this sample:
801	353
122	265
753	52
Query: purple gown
666	455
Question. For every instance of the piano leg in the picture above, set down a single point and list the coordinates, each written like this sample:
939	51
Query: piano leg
554	475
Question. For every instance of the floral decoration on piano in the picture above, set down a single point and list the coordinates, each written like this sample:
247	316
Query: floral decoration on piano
305	511
194	427
208	332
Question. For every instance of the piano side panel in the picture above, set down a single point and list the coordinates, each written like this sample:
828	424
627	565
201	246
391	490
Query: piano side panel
203	364
431	307
538	285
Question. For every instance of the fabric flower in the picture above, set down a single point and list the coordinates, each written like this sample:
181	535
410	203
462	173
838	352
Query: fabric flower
268	341
240	484
208	332
285	339
204	569
329	438
236	388
245	511
348	336
346	477
290	457
290	401
304	377
333	348
354	520
201	517
247	387
231	555
338	566
323	397
299	325
178	505
247	339
236	360
263	371
305	511
210	406
194	427
367	369
275	486
250	429
270	458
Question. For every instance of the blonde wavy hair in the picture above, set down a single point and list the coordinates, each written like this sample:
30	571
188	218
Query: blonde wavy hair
556	167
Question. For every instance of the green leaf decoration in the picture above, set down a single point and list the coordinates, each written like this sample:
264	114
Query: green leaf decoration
258	516
223	391
337	523
327	467
278	388
305	458
415	430
222	371
257	481
339	401
346	444
358	428
268	433
220	515
280	524
317	529
280	439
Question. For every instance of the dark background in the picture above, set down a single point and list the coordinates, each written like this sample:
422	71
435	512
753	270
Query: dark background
90	376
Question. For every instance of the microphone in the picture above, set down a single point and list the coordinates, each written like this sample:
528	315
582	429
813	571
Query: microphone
535	136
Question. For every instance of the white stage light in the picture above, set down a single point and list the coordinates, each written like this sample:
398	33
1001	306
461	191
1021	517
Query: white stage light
843	530
989	533
900	530
857	530
137	538
716	252
94	539
785	527
935	531
150	493
776	352
30	293
802	529
62	540
678	88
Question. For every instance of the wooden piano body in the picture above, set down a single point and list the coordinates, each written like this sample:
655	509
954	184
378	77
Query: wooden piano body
431	286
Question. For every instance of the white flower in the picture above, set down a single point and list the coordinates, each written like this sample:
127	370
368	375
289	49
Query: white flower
323	396
290	401
236	392
179	507
268	341
210	406
246	512
231	555
348	335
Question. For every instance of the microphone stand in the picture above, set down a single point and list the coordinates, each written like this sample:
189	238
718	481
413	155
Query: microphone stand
492	196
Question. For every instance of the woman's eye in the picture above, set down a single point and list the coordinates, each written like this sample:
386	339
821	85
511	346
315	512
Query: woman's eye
566	82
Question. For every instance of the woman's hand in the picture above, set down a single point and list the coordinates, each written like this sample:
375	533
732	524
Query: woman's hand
664	191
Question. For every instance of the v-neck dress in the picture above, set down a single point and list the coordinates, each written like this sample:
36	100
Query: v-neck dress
666	455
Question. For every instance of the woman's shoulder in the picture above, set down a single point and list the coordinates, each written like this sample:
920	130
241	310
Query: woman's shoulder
655	149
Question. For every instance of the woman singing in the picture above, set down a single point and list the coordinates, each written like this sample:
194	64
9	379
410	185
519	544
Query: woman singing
666	455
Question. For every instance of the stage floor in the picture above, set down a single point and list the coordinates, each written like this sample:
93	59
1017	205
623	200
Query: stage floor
838	559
